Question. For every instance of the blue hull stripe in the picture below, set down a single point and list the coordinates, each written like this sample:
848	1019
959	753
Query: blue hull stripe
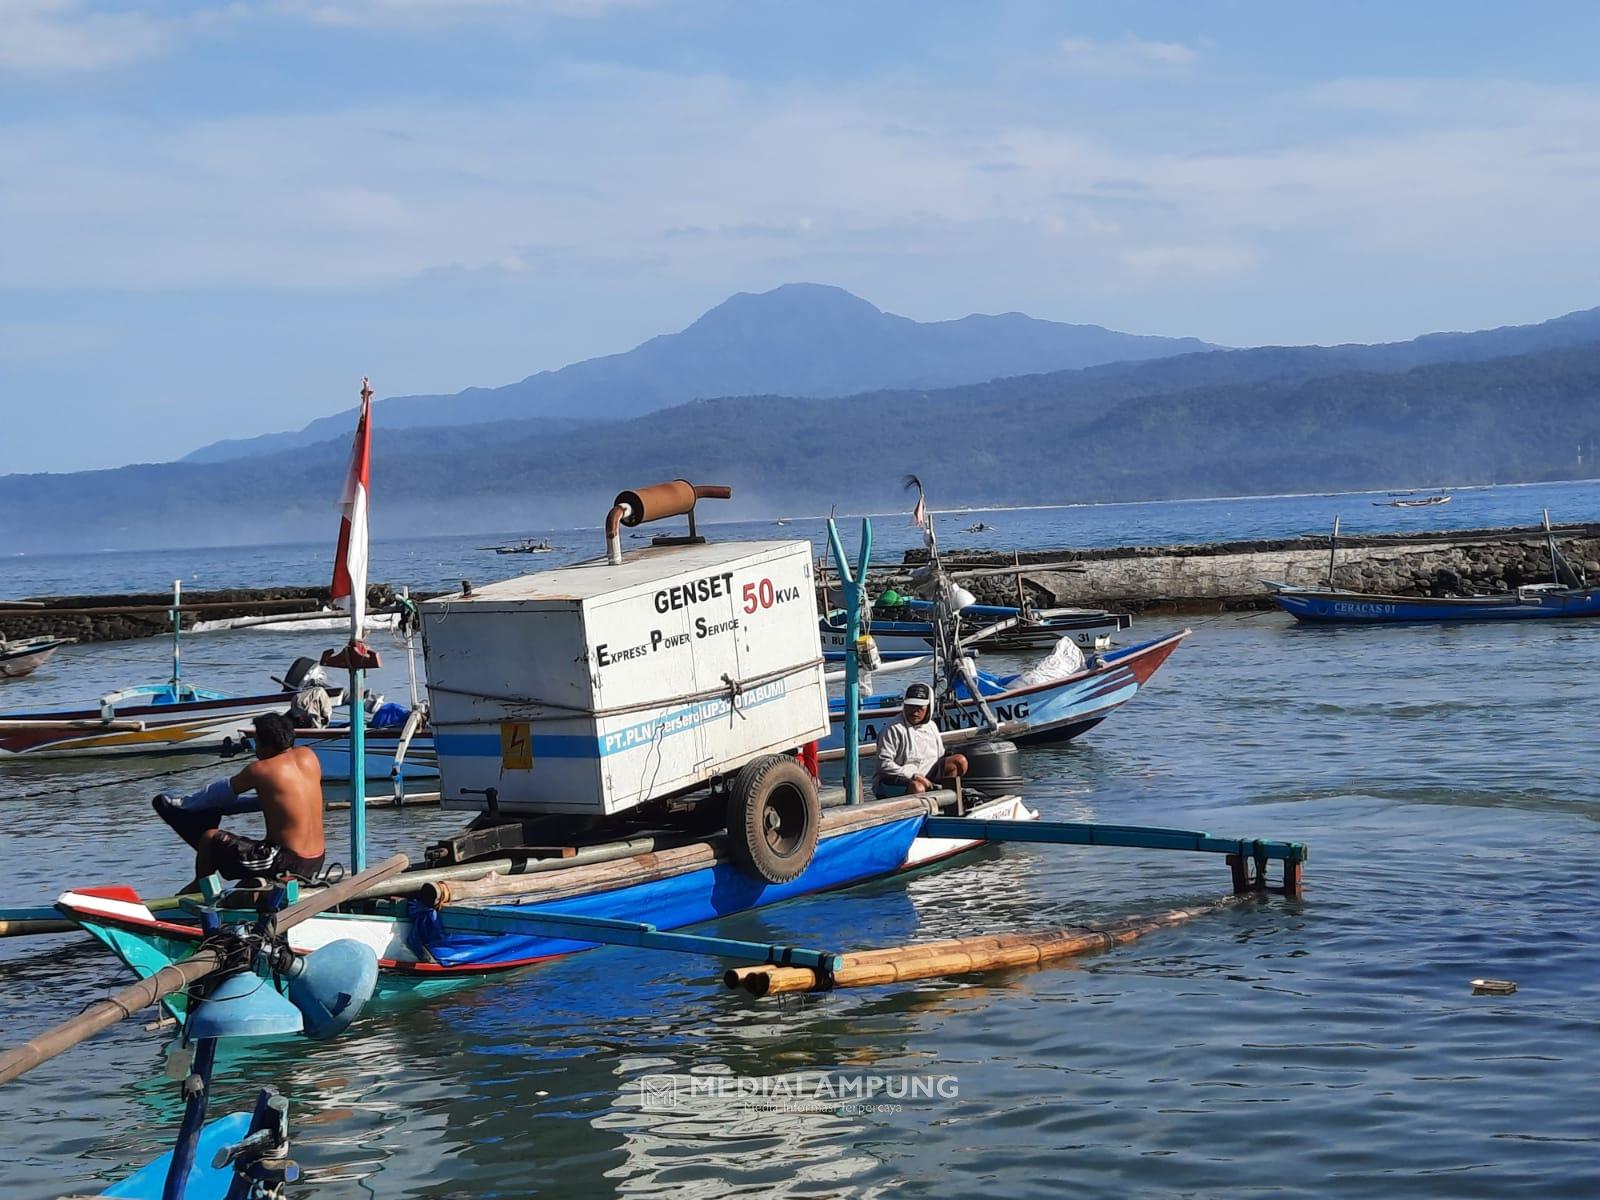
687	899
618	741
487	745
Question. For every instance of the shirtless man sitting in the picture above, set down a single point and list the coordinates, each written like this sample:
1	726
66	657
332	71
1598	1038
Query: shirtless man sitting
287	781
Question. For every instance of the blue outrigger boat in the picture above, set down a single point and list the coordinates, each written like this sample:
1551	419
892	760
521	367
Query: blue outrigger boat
1566	596
1539	601
526	882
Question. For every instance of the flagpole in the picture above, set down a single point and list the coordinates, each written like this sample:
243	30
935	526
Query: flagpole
358	707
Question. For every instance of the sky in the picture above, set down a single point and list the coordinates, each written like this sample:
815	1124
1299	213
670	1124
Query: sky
214	219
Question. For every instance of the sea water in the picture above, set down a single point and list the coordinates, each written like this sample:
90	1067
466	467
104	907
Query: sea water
1446	778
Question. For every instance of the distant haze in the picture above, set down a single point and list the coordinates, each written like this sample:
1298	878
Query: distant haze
1503	405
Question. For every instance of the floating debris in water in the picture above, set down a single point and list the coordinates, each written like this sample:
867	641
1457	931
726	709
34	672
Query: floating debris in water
1493	987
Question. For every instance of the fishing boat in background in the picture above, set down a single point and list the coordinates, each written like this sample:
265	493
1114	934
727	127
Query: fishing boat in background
318	622
1538	601
19	658
1566	596
150	719
1028	707
525	546
1009	628
1420	502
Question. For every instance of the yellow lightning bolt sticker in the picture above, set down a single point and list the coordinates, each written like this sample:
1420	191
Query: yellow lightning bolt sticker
516	746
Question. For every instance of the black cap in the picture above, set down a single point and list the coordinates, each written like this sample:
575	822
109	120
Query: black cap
918	695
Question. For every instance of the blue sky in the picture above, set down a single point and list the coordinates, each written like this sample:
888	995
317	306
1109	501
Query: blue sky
216	218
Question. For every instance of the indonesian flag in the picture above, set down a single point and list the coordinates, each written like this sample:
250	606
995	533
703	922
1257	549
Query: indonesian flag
919	514
350	560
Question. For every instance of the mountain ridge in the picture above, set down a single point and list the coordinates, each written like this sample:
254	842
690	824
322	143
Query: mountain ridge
1266	424
799	339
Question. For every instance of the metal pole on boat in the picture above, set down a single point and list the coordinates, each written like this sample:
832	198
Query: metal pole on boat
1333	549
177	634
197	1097
411	645
852	583
1555	558
358	768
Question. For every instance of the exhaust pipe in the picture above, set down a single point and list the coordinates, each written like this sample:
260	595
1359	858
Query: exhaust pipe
655	503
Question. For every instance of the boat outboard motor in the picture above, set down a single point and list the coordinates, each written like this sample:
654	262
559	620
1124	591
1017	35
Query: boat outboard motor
302	672
312	705
993	768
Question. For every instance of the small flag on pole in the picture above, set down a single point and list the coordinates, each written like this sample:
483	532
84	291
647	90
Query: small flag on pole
350	560
919	514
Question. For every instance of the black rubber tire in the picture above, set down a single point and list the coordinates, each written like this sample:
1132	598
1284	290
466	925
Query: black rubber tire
774	818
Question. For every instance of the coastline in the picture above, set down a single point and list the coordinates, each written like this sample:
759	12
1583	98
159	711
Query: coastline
1217	576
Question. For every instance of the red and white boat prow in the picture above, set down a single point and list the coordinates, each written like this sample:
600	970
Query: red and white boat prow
115	905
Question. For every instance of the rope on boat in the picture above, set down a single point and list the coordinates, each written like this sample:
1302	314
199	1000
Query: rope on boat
105	783
731	688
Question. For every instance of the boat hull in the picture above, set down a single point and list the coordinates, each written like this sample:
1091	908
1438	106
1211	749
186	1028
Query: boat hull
1320	606
17	661
414	943
198	727
332	748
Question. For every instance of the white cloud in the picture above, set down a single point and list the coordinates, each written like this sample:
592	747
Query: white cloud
70	35
370	13
701	182
44	36
1127	55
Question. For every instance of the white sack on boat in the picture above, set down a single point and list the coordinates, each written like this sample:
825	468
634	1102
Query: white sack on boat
1066	659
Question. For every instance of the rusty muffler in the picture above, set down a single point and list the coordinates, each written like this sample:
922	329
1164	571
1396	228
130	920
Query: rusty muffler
675	498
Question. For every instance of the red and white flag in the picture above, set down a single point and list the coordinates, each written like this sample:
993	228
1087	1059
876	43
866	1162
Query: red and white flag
350	560
919	514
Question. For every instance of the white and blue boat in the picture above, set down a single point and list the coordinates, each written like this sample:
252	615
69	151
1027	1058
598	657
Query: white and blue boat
1055	710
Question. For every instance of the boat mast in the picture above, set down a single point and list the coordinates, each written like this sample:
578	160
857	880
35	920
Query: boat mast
1555	555
407	617
177	633
1333	549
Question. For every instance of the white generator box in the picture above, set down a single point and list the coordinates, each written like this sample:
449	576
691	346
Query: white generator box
594	688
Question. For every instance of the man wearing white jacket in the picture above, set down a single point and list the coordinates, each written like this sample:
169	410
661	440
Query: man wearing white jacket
911	755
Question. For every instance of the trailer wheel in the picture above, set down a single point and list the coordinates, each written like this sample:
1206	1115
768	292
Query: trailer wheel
773	819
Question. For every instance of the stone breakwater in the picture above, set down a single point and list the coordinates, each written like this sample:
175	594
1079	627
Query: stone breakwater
116	618
1227	575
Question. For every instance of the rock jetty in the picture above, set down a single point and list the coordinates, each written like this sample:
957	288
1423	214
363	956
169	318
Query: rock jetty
1227	575
137	615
